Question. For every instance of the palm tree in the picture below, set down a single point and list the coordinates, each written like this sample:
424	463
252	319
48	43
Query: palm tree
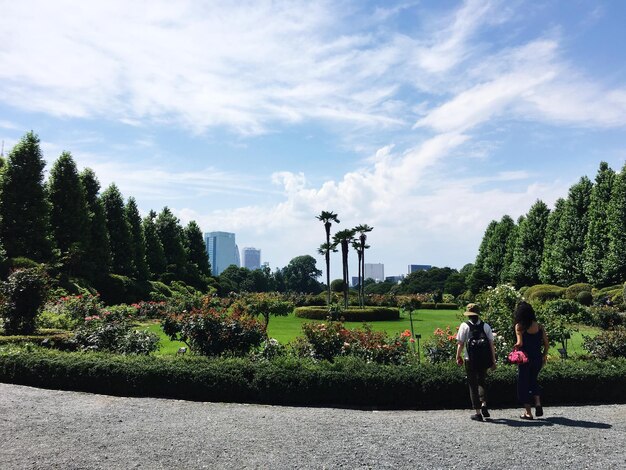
327	217
344	238
362	230
356	244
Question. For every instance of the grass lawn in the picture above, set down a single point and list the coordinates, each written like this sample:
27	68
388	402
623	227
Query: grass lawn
285	329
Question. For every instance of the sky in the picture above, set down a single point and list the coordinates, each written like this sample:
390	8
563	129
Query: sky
424	119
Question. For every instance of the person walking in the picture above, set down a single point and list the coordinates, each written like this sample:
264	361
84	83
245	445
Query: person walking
476	337
531	336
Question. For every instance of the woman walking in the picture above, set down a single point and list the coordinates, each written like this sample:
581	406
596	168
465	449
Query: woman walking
531	336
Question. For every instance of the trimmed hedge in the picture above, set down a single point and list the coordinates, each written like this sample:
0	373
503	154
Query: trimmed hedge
354	314
571	293
544	292
58	339
438	306
289	381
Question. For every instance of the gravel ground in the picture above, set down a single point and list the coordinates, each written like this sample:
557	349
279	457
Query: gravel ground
68	430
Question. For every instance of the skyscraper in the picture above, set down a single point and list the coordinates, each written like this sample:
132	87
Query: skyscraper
222	251
374	271
250	258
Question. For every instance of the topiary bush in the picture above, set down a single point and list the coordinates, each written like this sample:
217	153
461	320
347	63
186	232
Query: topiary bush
572	291
543	293
21	297
366	314
584	298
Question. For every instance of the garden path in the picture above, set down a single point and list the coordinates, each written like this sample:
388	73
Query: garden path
66	430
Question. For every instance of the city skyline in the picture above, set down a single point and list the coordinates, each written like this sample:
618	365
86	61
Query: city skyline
425	120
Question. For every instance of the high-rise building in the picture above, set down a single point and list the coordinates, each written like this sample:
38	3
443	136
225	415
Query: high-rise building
222	251
418	267
250	258
374	271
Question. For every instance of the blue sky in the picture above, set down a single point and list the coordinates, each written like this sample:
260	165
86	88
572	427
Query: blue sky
423	119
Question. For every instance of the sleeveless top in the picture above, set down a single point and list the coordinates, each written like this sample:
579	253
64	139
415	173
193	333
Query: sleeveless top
532	344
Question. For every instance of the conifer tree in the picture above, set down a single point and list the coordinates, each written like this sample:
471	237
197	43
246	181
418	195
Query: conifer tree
138	241
528	250
24	209
98	250
506	274
547	270
597	239
479	279
155	256
68	213
615	262
570	236
171	235
119	231
196	248
494	264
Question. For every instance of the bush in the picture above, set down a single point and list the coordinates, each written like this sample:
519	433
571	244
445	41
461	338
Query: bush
150	309
348	381
543	293
76	307
572	291
605	317
21	297
21	262
159	291
608	344
58	321
441	347
213	332
351	315
569	310
584	298
497	306
337	285
113	335
447	306
428	305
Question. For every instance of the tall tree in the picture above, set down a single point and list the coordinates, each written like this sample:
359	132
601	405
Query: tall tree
98	251
495	259
362	230
528	249
69	217
547	270
597	238
119	231
343	238
196	248
171	235
570	237
137	240
327	218
300	275
155	255
24	209
615	261
479	279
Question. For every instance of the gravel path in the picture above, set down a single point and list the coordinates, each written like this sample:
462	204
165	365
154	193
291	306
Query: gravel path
67	430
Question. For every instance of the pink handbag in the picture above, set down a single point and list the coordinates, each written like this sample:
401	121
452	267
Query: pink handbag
518	357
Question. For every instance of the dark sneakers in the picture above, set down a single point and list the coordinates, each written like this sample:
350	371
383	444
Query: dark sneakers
485	411
476	417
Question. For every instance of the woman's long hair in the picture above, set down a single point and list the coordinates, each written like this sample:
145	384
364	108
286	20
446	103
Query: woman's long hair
524	315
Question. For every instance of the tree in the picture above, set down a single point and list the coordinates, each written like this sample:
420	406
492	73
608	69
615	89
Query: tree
479	279
97	259
343	238
547	270
69	217
301	274
24	209
597	238
570	236
498	246
362	230
327	217
431	280
196	248
171	235
528	250
138	240
615	261
119	231
22	295
155	256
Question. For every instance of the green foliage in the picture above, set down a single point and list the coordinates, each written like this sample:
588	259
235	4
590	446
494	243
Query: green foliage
597	238
547	270
119	232
569	310
69	216
608	344
543	293
497	306
584	298
75	307
615	261
112	334
214	331
137	241
351	315
116	289
171	235
24	210
97	260
161	289
196	249
296	381
264	305
301	275
337	285
441	347
572	291
22	295
155	255
434	279
23	263
605	317
529	245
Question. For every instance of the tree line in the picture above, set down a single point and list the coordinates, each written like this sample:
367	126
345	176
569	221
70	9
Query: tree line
583	239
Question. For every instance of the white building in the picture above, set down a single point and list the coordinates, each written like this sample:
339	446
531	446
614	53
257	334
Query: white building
250	258
374	271
222	251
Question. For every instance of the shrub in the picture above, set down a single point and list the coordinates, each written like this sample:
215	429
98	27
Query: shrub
159	291
497	306
60	321
605	317
21	262
543	293
441	347
351	315
112	335
584	298
569	310
429	305
213	332
21	297
76	307
150	309
337	285
447	306
608	344
572	291
116	289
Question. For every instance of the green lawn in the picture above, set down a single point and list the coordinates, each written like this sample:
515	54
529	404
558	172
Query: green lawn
285	329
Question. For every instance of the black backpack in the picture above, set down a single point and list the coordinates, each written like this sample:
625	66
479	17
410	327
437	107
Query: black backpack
478	347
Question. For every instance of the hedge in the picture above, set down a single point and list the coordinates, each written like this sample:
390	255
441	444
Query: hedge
438	306
544	292
290	381
353	314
